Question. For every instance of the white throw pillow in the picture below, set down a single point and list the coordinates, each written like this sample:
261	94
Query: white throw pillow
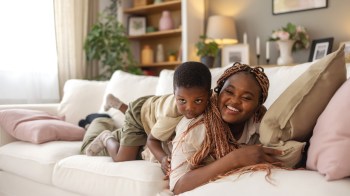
280	78
127	87
80	98
165	83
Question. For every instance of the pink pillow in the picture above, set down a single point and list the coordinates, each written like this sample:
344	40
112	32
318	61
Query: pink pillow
38	126
330	143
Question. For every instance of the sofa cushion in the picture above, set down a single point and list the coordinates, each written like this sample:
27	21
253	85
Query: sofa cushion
330	143
127	87
287	74
35	161
294	113
281	182
95	175
38	126
80	98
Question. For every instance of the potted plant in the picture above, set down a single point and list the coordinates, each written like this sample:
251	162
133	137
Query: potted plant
107	43
207	50
172	55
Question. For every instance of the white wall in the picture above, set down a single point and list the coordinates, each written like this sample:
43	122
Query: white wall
255	17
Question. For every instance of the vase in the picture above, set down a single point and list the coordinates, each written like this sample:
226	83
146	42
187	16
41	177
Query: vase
285	48
208	61
147	55
166	21
160	53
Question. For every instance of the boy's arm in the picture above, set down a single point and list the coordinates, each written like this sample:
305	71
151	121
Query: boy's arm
155	146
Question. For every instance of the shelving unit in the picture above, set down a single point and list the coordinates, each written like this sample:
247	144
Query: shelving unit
188	16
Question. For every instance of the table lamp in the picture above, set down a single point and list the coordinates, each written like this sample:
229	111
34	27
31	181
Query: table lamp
222	30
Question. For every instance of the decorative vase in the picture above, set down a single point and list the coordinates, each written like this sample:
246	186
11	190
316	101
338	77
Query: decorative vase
166	21
158	1
147	55
285	48
160	53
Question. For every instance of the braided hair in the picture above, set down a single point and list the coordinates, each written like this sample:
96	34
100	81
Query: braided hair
219	141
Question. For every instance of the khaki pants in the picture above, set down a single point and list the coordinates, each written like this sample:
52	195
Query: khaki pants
131	134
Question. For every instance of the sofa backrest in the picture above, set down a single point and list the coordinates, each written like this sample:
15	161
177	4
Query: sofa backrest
83	97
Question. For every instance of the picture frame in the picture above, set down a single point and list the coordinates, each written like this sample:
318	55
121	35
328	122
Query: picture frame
320	48
136	25
288	6
235	53
346	51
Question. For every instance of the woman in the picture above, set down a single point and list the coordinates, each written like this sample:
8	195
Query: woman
222	139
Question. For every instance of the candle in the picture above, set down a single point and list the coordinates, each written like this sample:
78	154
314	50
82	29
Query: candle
257	46
267	50
245	39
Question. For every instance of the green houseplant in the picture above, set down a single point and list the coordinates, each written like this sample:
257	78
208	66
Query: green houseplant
207	50
107	43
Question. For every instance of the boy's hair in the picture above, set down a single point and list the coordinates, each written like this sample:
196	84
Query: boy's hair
192	74
256	72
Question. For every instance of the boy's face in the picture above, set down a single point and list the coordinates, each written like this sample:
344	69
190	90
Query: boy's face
191	102
239	98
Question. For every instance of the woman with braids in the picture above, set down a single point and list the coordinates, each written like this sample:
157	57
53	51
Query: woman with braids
223	140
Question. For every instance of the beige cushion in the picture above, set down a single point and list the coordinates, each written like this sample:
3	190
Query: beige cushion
35	161
294	114
99	175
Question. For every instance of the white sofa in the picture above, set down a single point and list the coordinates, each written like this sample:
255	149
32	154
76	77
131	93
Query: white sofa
58	168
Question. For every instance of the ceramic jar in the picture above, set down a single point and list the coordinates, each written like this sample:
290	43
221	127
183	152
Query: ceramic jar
147	55
166	21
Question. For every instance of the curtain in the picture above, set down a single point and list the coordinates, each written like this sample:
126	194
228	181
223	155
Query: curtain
73	20
28	63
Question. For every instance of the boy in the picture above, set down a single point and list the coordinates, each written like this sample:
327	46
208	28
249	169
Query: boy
153	116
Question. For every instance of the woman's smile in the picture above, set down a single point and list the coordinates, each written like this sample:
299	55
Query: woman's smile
233	109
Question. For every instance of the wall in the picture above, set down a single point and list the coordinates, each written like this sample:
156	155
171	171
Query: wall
255	17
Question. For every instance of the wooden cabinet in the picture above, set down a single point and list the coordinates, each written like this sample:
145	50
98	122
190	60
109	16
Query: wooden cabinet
188	17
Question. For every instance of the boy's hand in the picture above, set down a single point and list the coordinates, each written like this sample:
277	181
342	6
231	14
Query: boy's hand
165	165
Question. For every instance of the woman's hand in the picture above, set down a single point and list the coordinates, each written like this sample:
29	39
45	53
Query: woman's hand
254	154
165	165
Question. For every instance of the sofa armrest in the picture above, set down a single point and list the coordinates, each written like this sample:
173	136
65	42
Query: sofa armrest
51	108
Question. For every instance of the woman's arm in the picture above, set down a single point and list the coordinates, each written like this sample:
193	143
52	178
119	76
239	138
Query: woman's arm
245	156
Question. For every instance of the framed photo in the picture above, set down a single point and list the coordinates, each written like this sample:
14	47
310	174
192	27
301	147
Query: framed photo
287	6
235	53
347	51
320	48
137	25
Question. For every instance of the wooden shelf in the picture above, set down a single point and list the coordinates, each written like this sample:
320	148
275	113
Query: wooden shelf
161	64
157	34
172	40
168	5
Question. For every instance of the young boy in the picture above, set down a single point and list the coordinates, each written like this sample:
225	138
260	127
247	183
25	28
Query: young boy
153	116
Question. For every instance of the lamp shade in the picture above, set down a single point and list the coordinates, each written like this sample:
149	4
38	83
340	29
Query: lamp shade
222	30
